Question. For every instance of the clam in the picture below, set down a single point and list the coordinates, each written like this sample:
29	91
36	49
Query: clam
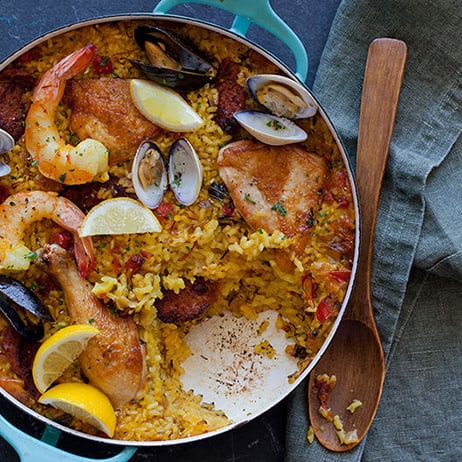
14	297
171	63
149	174
6	143
282	96
270	129
5	169
184	172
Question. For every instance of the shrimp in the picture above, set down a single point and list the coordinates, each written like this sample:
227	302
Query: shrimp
22	209
57	160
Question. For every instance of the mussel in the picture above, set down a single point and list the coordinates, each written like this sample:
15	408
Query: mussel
282	96
171	63
14	297
152	174
184	172
270	129
6	143
149	174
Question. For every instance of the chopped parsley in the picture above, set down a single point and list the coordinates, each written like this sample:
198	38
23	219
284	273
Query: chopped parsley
177	179
278	207
32	256
275	125
249	199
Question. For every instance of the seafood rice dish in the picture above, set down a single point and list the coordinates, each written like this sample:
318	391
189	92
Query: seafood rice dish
251	194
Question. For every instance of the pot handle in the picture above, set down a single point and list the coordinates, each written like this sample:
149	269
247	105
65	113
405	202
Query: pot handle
260	13
30	449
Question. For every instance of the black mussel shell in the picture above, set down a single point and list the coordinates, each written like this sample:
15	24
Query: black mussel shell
172	63
180	80
14	296
174	48
17	294
218	191
30	331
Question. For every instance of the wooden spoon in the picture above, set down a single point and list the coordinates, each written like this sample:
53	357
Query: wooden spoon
355	355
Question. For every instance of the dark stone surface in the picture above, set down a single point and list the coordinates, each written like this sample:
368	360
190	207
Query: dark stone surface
21	22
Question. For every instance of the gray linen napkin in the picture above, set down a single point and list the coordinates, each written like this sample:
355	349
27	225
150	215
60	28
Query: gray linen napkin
417	271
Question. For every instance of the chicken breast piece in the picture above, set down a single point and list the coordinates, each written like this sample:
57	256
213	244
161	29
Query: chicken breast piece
114	360
274	187
102	109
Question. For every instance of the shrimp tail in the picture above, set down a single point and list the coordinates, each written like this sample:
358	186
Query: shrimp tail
84	256
69	216
76	62
66	69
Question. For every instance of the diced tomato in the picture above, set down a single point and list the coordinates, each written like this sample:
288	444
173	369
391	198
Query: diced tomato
340	275
135	262
343	202
228	209
63	238
325	385
325	309
165	210
102	65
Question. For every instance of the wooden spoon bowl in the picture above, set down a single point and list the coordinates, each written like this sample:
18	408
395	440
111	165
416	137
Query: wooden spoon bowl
355	355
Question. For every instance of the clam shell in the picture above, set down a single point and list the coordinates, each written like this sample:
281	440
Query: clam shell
4	169
184	172
282	96
6	141
270	129
149	174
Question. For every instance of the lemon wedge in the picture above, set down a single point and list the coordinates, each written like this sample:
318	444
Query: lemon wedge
84	402
120	215
163	106
58	352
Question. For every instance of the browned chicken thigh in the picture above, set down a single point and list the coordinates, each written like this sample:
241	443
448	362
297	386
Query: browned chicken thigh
114	360
102	109
274	187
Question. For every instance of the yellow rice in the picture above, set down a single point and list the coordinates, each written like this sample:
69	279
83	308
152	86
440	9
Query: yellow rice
193	244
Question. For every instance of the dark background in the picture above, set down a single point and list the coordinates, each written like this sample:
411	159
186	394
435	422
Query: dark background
22	21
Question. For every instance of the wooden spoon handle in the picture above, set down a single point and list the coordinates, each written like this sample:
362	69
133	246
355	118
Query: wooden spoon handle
381	88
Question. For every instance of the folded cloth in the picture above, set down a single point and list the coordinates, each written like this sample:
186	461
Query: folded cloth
417	269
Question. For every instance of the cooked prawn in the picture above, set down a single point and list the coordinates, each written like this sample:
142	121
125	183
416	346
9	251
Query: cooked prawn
22	209
56	159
